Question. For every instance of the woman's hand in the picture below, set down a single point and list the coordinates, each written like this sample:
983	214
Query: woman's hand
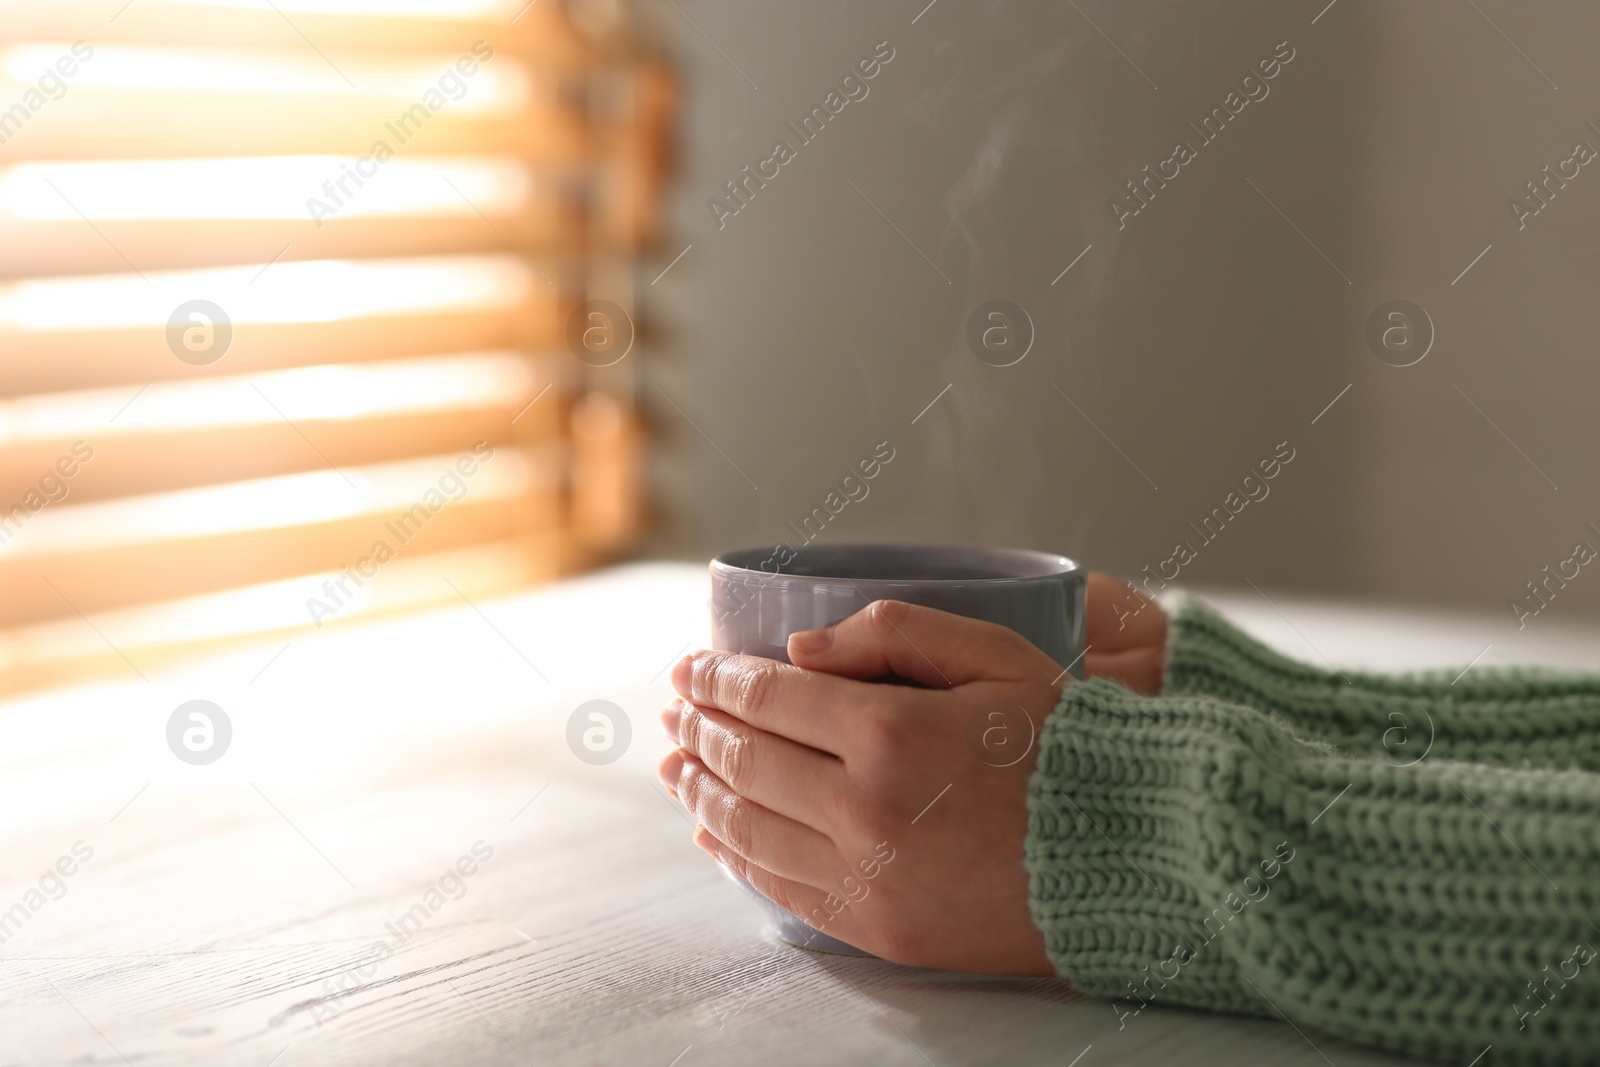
875	812
888	816
1125	635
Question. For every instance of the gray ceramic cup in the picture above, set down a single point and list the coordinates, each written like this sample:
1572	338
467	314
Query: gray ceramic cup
760	596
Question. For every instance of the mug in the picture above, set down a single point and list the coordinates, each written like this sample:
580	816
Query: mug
760	596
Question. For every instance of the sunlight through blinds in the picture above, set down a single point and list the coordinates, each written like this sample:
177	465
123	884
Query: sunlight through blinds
286	289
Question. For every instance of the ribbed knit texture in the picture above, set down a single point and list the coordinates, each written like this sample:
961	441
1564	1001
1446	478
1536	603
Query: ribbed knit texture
1508	716
1397	861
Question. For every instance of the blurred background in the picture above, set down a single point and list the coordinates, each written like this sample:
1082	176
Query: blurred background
1183	343
313	311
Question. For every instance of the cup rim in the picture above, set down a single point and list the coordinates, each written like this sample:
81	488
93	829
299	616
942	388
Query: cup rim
1040	566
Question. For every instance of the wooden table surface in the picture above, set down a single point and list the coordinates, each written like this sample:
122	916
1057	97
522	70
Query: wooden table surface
249	911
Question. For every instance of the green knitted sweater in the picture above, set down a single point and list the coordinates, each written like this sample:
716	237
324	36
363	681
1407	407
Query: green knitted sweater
1396	860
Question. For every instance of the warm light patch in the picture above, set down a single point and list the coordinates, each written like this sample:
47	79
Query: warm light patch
271	187
260	504
463	10
501	84
314	291
464	382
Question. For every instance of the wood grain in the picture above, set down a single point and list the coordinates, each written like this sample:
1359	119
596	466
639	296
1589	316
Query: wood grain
230	913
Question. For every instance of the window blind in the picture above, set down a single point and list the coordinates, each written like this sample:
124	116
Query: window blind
286	289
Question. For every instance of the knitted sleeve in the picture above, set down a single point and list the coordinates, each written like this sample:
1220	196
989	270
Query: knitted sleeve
1507	716
1184	850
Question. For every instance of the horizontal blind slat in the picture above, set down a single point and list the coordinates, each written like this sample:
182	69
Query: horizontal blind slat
540	32
98	556
206	432
66	333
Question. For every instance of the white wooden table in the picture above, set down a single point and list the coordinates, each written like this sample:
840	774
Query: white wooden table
241	912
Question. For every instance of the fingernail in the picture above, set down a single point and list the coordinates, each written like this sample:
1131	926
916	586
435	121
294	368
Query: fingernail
670	770
811	641
671	717
682	673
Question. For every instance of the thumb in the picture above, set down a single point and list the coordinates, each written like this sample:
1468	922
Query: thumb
924	645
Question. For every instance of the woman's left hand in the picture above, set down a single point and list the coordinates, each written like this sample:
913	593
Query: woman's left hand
888	816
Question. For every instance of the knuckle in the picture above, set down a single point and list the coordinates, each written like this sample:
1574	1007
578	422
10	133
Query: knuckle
692	788
737	761
752	687
887	614
887	731
690	725
737	825
705	674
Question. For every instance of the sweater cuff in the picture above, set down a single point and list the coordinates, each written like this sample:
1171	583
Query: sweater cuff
1131	872
1184	851
1209	656
1505	716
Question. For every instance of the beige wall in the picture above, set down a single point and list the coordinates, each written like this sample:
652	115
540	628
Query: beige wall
1211	327
1457	121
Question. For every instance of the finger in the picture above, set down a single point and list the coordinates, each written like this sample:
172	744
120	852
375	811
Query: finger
1134	668
823	911
790	778
804	706
781	845
1119	616
931	647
